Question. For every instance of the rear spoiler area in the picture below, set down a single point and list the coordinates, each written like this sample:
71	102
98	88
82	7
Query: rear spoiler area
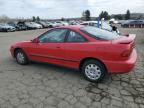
126	39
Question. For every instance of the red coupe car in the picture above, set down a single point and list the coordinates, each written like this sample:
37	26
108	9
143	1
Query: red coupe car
93	51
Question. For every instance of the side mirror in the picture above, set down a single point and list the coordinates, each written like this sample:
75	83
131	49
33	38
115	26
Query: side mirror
36	40
114	28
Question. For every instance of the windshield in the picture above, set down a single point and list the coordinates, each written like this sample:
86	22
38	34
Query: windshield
99	33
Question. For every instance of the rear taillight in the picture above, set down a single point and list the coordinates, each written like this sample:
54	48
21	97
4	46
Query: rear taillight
126	53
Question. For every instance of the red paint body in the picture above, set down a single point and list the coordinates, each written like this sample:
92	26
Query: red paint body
72	54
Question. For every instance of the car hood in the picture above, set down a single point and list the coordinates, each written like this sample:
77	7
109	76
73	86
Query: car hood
6	26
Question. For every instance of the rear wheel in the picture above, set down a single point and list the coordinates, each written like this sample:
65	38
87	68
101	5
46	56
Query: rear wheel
93	70
21	57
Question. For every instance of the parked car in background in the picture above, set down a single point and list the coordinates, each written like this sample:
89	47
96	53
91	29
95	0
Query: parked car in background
38	26
95	52
58	23
21	26
50	24
64	23
122	21
54	24
133	24
43	23
73	23
33	25
13	24
113	21
4	27
30	26
103	26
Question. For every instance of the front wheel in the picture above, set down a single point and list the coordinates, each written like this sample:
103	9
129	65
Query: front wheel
93	70
21	57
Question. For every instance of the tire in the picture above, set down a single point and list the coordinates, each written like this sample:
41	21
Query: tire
93	70
21	57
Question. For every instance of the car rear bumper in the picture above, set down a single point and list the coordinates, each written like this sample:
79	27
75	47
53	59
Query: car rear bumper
122	66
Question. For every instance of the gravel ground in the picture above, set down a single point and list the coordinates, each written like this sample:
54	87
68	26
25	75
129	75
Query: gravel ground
47	86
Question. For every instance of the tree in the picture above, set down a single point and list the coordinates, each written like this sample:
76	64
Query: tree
38	18
140	17
105	15
119	16
87	15
62	19
4	18
83	16
101	15
127	15
33	18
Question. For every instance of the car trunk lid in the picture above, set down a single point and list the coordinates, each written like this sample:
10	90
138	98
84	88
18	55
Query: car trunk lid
129	41
125	39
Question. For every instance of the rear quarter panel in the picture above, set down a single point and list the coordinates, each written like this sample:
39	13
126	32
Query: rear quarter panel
101	50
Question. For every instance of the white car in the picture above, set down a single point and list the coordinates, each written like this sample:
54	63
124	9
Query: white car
57	23
64	23
50	24
33	25
6	28
73	23
43	23
113	21
39	26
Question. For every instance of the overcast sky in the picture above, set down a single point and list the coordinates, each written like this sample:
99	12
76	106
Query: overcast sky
66	8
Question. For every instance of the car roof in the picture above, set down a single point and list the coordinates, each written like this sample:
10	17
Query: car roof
71	26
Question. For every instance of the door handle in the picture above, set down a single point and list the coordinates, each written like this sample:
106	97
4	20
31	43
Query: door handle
57	47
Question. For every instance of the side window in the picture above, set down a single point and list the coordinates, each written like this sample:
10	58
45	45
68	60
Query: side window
54	36
75	37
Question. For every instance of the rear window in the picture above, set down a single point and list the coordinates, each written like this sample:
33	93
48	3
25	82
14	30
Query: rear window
105	26
99	33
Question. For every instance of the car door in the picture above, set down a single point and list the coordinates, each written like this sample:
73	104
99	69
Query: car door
74	49
49	49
